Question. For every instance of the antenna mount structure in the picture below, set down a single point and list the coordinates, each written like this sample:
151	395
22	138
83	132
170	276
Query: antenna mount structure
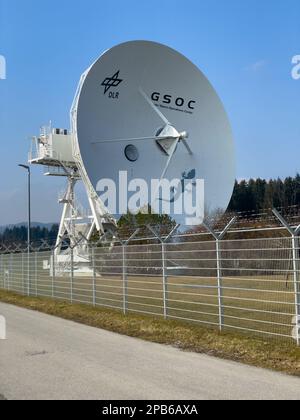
52	149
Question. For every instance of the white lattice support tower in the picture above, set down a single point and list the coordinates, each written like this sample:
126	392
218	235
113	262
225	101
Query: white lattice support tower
53	149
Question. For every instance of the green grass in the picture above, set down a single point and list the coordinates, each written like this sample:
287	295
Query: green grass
276	355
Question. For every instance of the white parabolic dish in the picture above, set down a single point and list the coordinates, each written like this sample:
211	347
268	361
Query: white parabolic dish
137	91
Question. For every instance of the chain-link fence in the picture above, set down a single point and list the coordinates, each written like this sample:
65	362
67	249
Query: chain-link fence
250	285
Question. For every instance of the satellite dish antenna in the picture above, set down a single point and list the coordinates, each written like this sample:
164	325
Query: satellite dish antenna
145	110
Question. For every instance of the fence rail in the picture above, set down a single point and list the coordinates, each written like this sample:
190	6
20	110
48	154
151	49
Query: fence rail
248	285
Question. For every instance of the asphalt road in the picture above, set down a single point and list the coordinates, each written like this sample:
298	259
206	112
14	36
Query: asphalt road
49	358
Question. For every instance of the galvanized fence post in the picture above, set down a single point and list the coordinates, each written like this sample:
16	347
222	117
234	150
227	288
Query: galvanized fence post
28	270
164	242
2	271
296	276
23	279
94	275
125	279
220	283
165	279
218	239
124	245
72	274
296	269
53	274
11	262
36	272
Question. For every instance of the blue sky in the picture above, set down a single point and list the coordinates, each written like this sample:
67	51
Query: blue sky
244	47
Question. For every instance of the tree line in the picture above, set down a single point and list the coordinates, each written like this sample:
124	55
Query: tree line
18	234
258	194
